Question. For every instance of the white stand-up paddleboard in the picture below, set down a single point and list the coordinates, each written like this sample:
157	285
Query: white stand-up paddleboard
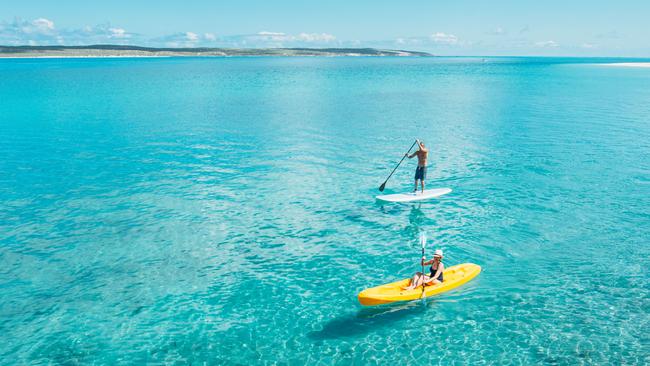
417	196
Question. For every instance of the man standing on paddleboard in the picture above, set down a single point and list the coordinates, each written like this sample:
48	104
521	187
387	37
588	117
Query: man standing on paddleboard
421	170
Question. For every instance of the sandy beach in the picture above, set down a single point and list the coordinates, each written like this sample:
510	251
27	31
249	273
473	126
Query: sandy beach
629	64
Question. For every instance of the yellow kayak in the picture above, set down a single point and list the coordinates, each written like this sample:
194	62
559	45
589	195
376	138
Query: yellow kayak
454	276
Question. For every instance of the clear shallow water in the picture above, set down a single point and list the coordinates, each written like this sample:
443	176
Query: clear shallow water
221	210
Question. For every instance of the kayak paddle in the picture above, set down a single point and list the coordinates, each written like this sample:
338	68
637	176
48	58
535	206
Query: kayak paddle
423	242
383	185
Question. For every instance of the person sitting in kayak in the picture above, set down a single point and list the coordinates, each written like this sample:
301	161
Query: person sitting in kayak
421	170
435	272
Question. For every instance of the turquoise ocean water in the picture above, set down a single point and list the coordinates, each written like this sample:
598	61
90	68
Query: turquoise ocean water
222	211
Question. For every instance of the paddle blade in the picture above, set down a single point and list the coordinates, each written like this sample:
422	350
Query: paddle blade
382	186
423	239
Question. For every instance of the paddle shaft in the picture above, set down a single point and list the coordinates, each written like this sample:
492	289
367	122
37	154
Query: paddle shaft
422	270
381	188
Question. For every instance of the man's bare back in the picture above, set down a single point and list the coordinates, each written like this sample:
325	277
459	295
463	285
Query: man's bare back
422	154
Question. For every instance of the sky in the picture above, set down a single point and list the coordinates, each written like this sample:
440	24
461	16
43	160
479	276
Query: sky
452	27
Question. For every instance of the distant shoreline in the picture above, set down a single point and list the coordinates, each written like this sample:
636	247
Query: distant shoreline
116	51
62	56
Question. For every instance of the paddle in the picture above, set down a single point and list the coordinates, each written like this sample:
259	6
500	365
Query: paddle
423	242
383	185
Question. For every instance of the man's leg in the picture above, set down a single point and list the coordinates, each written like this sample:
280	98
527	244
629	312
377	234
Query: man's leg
423	177
417	177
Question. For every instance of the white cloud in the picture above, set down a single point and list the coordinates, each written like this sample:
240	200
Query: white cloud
278	39
182	39
588	45
21	31
118	33
547	44
265	33
268	37
498	31
101	33
305	37
315	37
283	37
193	39
36	27
435	39
42	31
40	25
411	41
444	38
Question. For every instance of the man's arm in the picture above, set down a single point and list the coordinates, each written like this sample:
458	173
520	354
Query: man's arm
422	148
415	153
